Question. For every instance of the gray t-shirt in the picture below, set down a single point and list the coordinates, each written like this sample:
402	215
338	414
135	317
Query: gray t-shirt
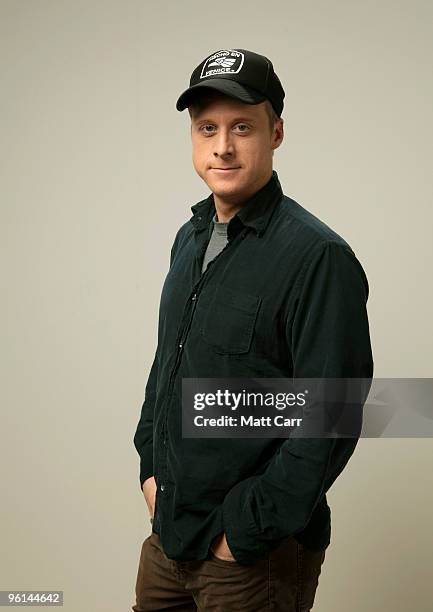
217	241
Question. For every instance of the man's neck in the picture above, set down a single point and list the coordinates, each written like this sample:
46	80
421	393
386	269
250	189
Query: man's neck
225	210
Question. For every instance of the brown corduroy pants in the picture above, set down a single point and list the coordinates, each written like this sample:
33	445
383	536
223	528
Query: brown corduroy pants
285	581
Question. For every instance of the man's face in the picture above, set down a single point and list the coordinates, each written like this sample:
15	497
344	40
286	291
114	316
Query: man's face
232	146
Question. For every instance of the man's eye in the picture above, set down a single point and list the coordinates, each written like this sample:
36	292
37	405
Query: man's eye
243	127
204	128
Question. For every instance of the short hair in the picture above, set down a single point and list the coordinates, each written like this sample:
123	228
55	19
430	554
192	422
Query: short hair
202	97
272	115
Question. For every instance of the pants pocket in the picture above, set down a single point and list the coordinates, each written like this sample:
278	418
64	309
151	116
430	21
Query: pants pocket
309	569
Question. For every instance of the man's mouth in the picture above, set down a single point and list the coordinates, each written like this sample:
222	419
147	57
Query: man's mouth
225	169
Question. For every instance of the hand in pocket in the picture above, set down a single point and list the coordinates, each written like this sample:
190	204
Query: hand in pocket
149	491
221	549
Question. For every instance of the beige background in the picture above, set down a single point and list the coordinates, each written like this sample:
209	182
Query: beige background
96	177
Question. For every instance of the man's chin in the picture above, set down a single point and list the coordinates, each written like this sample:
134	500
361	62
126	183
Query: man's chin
225	188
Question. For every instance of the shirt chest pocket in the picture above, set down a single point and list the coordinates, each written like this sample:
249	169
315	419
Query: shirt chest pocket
228	324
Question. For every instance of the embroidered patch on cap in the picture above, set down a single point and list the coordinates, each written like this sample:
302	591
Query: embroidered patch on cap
223	62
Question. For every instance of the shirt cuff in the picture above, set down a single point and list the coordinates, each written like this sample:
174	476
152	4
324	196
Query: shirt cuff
146	464
239	527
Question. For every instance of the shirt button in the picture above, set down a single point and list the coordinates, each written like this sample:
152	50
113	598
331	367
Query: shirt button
180	345
162	487
194	297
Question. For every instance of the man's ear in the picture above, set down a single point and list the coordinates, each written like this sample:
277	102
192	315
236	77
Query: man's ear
278	133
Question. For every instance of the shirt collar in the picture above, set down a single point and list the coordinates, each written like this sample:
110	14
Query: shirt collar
255	213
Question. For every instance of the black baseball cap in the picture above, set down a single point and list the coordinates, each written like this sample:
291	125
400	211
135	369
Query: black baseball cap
238	73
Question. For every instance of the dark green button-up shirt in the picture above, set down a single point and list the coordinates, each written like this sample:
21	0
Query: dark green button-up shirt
286	297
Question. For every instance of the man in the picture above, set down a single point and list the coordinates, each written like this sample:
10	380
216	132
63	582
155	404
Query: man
257	287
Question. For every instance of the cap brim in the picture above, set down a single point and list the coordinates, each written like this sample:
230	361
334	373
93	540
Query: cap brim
225	86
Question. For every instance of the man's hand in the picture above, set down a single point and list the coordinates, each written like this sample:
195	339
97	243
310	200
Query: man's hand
221	549
149	490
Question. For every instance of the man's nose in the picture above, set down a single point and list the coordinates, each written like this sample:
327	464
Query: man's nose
223	144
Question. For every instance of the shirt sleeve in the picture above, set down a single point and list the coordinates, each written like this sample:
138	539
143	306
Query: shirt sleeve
143	438
328	333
